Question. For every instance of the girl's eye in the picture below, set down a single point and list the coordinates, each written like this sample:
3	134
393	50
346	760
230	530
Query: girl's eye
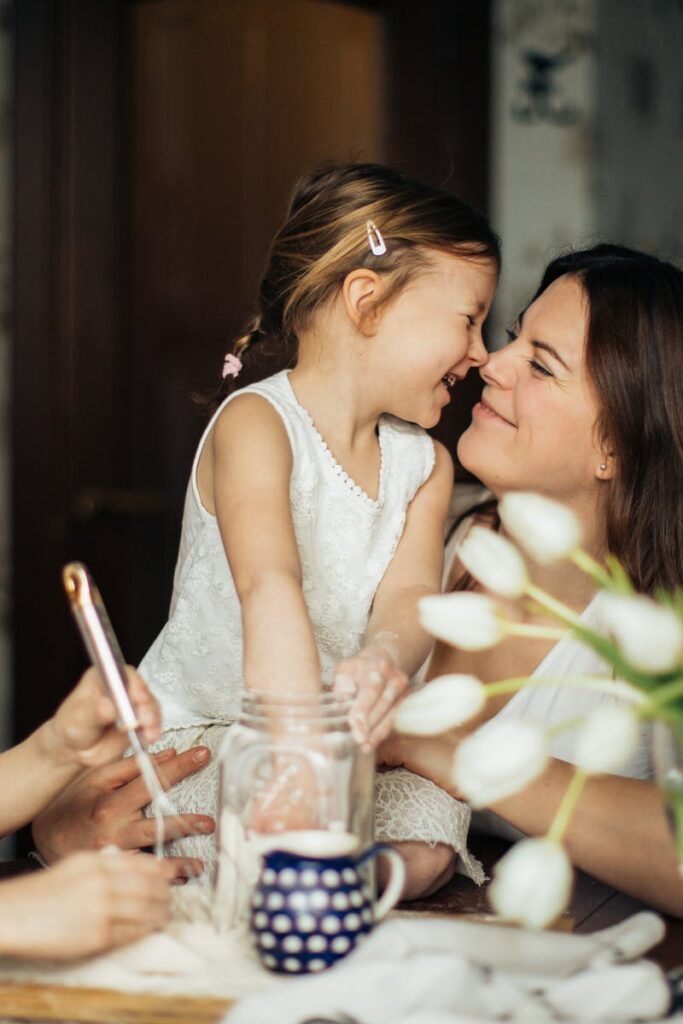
471	321
537	367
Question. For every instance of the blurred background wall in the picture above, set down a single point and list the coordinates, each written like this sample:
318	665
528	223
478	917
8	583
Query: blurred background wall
146	150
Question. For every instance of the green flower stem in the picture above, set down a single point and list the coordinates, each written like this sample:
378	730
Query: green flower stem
567	805
515	683
666	693
528	629
561	611
675	802
600	644
591	568
569	723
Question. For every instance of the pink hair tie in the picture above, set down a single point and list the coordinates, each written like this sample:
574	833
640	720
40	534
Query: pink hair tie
231	366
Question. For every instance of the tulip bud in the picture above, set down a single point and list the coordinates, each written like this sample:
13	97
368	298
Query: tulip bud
545	529
442	704
499	759
532	883
493	561
608	737
649	635
468	621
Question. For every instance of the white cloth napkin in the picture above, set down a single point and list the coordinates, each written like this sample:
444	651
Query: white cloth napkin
428	971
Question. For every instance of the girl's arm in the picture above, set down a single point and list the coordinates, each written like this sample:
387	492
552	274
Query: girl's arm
81	733
416	568
395	643
617	832
252	465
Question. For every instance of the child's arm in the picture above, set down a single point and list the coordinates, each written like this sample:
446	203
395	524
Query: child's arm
396	644
81	733
252	465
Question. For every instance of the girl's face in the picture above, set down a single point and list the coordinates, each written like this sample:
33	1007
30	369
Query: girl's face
430	336
534	428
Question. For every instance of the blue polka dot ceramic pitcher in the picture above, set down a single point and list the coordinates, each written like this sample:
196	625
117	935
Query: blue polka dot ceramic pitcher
311	903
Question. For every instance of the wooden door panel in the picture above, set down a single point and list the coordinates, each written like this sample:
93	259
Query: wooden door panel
230	102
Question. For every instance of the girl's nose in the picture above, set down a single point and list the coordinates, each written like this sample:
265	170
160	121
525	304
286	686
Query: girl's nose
477	354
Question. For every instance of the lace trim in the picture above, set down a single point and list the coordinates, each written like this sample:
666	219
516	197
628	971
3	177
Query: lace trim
355	488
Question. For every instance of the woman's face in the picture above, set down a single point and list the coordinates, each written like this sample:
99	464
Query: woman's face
534	428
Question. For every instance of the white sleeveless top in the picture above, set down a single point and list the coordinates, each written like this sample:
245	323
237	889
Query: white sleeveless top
553	703
346	541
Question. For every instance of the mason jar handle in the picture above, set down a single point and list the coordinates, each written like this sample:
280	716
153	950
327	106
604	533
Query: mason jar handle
397	876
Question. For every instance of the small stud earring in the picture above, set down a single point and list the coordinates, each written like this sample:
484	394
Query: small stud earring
603	467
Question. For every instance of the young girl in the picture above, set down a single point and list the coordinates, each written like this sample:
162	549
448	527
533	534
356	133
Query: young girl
314	514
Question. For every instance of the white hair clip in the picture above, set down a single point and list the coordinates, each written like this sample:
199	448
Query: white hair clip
377	246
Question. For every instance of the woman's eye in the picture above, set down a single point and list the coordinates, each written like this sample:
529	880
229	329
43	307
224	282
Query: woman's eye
471	321
511	335
537	367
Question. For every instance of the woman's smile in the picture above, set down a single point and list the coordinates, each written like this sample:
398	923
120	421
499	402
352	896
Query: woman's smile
485	411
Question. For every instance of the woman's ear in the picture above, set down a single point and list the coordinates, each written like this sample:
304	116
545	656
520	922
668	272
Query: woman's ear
360	294
606	468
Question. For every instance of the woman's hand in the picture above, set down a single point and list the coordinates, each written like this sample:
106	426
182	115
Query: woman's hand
83	730
376	684
104	807
428	756
87	904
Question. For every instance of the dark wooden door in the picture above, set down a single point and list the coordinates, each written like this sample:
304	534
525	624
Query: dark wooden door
156	143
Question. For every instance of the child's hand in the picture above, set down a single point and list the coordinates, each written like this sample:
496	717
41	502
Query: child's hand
291	799
83	729
376	682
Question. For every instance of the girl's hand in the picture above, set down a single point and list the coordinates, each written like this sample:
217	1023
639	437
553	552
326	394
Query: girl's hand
292	799
376	682
83	729
88	903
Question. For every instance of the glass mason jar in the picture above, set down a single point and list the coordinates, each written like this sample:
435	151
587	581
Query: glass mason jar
289	763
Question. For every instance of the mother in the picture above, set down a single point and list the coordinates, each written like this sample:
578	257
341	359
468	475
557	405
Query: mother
584	405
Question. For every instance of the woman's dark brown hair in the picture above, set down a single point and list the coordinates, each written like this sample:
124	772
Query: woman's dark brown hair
325	236
634	359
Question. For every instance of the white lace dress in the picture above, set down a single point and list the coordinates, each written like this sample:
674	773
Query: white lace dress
346	541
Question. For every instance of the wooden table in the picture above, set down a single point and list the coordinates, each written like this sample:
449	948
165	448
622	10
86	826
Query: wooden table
593	905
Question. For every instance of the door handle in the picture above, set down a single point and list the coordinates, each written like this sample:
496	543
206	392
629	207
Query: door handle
94	502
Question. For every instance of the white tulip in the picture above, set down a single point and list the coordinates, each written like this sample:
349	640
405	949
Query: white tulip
545	529
494	561
498	759
532	883
649	635
608	737
468	621
439	706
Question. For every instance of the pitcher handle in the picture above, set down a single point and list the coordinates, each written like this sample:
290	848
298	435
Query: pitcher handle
397	877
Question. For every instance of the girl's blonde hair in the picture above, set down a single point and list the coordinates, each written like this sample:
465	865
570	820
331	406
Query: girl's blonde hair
325	236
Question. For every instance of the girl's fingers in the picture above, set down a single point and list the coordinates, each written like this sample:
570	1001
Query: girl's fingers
394	688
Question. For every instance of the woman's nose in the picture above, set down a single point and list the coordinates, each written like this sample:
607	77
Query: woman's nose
499	369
